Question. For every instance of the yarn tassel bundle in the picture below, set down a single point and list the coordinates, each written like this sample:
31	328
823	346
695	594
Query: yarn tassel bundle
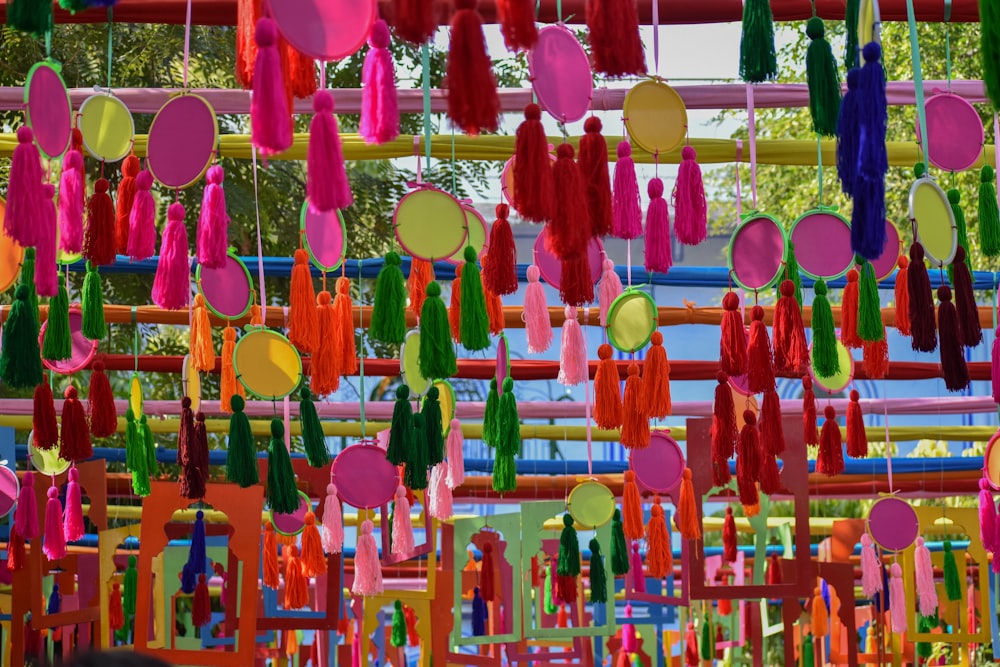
142	220
849	312
989	211
270	115
213	221
593	162
388	319
327	187
473	102
868	233
569	229
824	352
635	432
573	366
923	336
857	441
901	295
379	104
733	345
690	204
791	351
749	456
607	391
965	301
171	286
625	205
953	364
656	379
534	185
517	24
659	254
615	44
537	324
830	460
758	60
500	272
609	290
823	79
123	201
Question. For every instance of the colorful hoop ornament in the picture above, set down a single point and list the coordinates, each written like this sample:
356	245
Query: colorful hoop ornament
409	364
11	255
560	74
822	240
550	266
933	221
107	127
757	251
658	468
893	524
430	224
324	236
228	290
267	364
292	524
182	141
46	461
840	381
655	117
591	504
82	349
991	461
632	319
135	400
325	29
363	477
477	235
9	489
885	264
955	133
48	109
191	382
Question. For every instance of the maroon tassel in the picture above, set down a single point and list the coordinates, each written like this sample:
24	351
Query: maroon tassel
760	365
576	285
74	435
194	474
770	476
733	346
569	229
99	243
594	167
965	301
534	187
830	460
500	272
810	430
923	337
748	460
201	607
773	576
45	429
772	432
724	431
953	366
473	103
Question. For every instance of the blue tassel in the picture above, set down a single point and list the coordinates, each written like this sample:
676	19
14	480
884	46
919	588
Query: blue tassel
847	135
196	556
479	614
55	600
868	234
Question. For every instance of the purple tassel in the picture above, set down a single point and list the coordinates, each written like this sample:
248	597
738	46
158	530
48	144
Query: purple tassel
868	220
480	612
379	106
213	222
659	256
142	220
55	601
46	273
326	179
172	284
690	206
71	196
625	205
270	117
22	216
847	135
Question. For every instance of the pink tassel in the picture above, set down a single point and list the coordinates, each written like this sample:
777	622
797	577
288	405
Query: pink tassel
26	516
142	220
402	528
333	522
926	592
356	652
379	107
659	256
897	599
326	179
172	285
995	366
367	570
54	541
690	207
440	504
637	570
625	205
73	528
573	367
71	196
630	642
537	325
24	190
213	222
46	272
611	289
456	456
270	117
987	516
871	570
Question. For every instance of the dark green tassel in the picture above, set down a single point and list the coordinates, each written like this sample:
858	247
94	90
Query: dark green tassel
490	414
415	475
282	493
707	643
952	585
94	327
792	273
852	53
20	358
808	651
401	430
58	343
313	438
475	323
388	323
73	6
758	60
961	231
130	586
146	434
28	280
432	424
989	213
989	48
504	472
870	326
823	80
437	354
241	452
826	359
569	549
598	577
508	421
619	548
31	16
398	637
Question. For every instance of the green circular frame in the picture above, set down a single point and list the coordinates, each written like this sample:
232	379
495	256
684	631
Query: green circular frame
305	240
791	230
57	68
236	367
747	219
270	514
617	304
197	279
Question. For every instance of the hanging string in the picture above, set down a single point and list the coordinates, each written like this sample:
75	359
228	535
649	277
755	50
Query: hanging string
656	37
111	25
361	362
753	145
135	341
48	43
947	40
454	186
739	196
260	243
819	167
918	81
187	42
425	64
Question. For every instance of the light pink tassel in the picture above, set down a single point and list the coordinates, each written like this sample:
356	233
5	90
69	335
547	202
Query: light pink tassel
172	284
440	504
142	219
71	196
987	516
690	207
54	541
625	201
379	106
333	522
46	272
24	190
213	221
897	599
611	289
456	456
270	117
658	253
26	515
573	367
637	570
926	592
871	571
326	178
73	528
995	366
402	528
367	569
537	325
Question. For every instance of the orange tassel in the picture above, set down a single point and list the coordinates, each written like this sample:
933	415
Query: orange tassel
325	375
202	349
270	557
343	318
494	310
303	325
455	309
421	274
291	643
607	391
296	585
256	317
631	509
849	312
302	73
820	618
635	421
902	295
687	510
750	511
876	356
656	379
313	558
659	560
229	386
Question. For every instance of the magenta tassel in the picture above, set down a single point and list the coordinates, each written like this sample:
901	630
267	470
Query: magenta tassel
142	220
573	367
54	541
26	515
46	272
379	107
73	528
610	289
71	196
172	286
690	207
22	217
995	366
637	569
987	516
625	201
326	179
213	222
270	117
658	252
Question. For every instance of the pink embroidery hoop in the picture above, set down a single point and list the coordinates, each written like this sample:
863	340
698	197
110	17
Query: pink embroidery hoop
757	252
551	267
83	350
363	477
324	236
955	132
659	467
325	29
182	141
885	264
560	74
893	524
48	109
822	240
228	290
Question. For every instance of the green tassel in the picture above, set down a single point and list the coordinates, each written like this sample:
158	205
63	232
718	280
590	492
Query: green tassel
398	638
808	652
826	359
490	414
136	458
129	588
313	438
504	473
925	624
437	354
31	16
20	358
989	48
869	306
707	643
823	79
241	452
508	421
619	548
852	57
961	230
28	280
989	213
475	323
401	431
598	577
758	60
415	475
58	343
73	6
569	549
432	424
952	585
94	327
792	273
282	493
149	443
388	323
550	607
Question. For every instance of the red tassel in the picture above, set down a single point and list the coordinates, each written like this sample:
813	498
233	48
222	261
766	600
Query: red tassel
965	301
517	24
15	552
772	432
857	441
830	460
635	421
902	297
760	365
691	654
576	284
810	428
473	103
123	207
414	20
270	115
247	13
99	237
116	614
486	589
876	357
302	69
455	306
656	379
733	348
724	432
75	433
631	508
773	576
494	306
616	47
45	430
607	391
500	273
569	229
103	417
849	312
923	337
729	537
770	476
201	606
953	365
594	167
534	186
790	349
748	460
